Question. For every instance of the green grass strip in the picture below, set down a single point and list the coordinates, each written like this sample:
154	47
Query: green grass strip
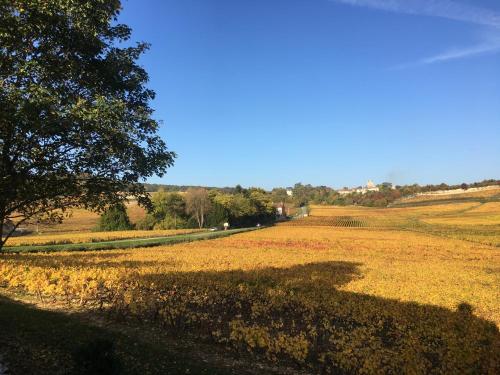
125	244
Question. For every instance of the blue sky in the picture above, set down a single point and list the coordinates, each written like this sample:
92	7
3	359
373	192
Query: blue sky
328	92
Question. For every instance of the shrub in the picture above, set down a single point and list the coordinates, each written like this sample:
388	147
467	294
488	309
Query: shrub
217	216
171	223
147	223
115	218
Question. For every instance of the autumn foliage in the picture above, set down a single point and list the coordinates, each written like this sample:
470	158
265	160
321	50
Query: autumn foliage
327	299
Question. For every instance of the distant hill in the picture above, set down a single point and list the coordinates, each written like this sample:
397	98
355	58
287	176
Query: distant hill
151	188
477	194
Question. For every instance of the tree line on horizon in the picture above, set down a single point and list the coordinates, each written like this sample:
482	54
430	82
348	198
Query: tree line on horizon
303	195
387	194
197	208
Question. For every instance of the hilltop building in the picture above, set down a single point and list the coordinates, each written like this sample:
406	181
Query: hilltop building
345	191
370	186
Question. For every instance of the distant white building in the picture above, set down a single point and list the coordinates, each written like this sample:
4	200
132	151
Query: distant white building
345	191
289	191
370	186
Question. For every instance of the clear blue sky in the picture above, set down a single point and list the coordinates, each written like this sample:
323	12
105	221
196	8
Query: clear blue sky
328	92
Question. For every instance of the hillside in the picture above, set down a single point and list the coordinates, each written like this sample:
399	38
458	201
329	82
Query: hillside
483	194
344	290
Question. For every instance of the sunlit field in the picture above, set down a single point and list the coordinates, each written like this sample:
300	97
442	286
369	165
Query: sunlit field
393	215
387	296
487	193
484	214
80	220
471	221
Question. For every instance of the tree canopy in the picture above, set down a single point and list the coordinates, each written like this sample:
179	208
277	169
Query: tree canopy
114	218
76	126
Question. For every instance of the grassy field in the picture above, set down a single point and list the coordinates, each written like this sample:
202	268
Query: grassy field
83	221
345	290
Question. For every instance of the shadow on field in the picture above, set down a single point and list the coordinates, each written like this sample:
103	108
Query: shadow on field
274	313
34	341
346	332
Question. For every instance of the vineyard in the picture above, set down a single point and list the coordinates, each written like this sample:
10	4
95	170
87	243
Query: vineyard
484	194
331	221
323	294
146	228
470	221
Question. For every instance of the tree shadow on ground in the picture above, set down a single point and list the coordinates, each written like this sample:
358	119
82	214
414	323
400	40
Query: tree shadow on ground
272	312
36	341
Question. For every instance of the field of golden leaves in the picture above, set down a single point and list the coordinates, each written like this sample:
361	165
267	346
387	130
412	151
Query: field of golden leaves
470	221
328	299
485	214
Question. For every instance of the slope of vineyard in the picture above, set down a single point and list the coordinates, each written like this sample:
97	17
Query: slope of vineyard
483	194
329	221
326	298
471	221
344	290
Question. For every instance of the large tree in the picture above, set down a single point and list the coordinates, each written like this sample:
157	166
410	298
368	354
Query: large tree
169	205
76	126
198	205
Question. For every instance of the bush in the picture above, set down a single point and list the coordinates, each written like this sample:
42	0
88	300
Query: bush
171	223
115	218
147	223
217	216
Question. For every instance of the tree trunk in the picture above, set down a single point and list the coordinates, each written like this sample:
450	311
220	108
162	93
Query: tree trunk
2	220
198	219
3	239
